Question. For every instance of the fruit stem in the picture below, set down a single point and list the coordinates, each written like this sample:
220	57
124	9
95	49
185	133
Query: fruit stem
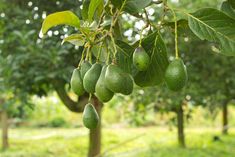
82	58
176	34
87	53
98	57
108	53
114	45
90	95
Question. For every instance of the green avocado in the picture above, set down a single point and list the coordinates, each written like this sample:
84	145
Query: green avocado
129	84
176	75
76	83
85	66
101	91
114	79
117	80
91	77
141	59
90	116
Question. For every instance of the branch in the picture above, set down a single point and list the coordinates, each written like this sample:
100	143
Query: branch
67	101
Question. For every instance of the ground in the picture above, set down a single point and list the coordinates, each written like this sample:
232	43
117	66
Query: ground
119	142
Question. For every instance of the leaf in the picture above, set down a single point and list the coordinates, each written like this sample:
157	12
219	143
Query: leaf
156	49
232	3
85	8
182	26
75	39
227	8
135	6
124	48
132	6
103	53
213	25
124	55
94	4
60	18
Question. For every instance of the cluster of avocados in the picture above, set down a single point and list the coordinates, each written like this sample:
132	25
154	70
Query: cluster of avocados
105	80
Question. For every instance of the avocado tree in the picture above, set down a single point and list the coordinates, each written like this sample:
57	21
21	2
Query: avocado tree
99	32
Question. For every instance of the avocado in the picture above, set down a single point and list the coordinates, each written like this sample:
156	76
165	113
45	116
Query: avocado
85	66
114	79
176	75
76	82
118	81
101	91
129	83
141	59
91	77
90	116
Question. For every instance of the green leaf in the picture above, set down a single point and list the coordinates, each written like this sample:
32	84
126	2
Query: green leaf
227	8
85	8
103	53
182	27
60	18
232	3
132	6
124	48
124	55
213	25
94	4
156	49
75	39
135	6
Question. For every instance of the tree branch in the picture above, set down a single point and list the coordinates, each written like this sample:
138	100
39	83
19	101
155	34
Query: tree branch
67	101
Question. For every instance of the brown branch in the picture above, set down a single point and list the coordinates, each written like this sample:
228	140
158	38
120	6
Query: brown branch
72	105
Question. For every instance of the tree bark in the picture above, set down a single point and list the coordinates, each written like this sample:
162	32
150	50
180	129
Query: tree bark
180	126
95	134
225	118
4	118
74	106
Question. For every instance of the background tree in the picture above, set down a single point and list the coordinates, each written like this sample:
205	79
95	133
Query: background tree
39	67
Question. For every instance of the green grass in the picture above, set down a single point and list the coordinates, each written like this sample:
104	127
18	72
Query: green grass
119	142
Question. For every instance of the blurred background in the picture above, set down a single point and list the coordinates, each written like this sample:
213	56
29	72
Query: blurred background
37	119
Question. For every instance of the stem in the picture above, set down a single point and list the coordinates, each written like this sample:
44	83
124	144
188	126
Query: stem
176	35
108	53
87	53
82	58
146	26
114	45
90	95
98	57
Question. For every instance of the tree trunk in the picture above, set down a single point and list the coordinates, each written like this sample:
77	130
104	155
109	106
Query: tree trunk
4	118
95	134
225	118
180	126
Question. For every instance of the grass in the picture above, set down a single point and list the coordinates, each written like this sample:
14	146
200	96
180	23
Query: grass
119	142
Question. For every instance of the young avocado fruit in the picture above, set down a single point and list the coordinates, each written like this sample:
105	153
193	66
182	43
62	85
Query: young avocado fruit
176	75
129	84
76	82
90	116
85	66
101	91
91	77
114	79
117	80
141	59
